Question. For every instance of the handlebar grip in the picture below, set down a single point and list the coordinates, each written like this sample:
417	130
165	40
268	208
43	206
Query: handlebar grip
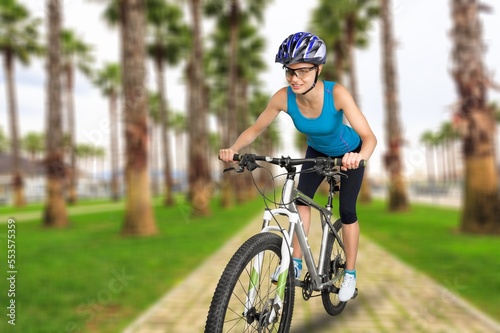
338	162
236	157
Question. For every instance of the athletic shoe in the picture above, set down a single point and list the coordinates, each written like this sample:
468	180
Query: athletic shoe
348	288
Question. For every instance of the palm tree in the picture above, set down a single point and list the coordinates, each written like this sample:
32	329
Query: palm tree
449	137
155	130
269	139
481	199
18	40
178	122
331	31
84	152
359	15
98	154
168	40
199	178
33	143
443	154
139	219
235	34
108	79
76	53
168	43
398	197
55	214
252	45
429	139
230	14
216	71
345	29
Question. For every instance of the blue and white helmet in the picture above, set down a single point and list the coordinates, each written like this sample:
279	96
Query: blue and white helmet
302	47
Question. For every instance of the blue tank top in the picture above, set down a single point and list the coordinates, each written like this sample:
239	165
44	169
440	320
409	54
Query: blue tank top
326	133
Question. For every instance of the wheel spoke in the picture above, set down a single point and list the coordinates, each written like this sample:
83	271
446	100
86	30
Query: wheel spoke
227	310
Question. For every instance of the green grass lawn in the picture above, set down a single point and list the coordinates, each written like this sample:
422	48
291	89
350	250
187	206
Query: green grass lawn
38	207
427	238
88	278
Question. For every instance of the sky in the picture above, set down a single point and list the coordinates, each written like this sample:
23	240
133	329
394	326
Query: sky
426	90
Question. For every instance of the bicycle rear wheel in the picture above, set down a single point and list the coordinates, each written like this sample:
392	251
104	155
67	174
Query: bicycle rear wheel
335	261
229	311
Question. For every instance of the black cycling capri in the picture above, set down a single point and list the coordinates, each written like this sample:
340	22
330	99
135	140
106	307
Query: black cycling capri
349	186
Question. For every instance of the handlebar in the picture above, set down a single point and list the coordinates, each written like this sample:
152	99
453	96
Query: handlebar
322	165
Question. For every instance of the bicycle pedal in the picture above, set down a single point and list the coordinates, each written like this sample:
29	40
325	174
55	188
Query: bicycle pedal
355	293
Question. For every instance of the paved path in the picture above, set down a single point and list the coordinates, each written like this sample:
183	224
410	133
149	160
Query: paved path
393	297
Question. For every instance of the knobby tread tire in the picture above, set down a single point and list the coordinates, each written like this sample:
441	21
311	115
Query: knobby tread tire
335	307
230	281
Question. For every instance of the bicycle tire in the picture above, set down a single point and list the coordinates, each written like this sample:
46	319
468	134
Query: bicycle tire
335	260
227	308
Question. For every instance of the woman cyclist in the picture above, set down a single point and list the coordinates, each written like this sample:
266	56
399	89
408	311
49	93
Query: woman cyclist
317	109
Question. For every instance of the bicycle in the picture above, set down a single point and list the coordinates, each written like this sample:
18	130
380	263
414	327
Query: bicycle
247	298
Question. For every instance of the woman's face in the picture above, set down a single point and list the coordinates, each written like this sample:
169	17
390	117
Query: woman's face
301	75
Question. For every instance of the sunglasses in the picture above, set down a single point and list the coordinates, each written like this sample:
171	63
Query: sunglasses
301	72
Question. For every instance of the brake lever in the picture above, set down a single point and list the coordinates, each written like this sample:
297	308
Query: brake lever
247	162
330	172
252	165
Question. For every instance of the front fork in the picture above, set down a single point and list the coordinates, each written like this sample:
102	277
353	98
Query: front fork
286	250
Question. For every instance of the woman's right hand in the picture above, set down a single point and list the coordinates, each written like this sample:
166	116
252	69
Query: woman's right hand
226	155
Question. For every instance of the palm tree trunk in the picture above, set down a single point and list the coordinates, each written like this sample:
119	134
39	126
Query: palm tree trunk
365	195
17	175
73	173
167	162
351	57
398	199
200	183
139	219
429	162
480	212
435	164
226	188
233	110
229	183
153	155
114	151
244	181
338	67
446	161
55	214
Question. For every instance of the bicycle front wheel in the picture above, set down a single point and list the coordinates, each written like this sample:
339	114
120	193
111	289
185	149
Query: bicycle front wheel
335	261
244	299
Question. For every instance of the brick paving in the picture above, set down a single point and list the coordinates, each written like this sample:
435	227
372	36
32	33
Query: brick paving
393	297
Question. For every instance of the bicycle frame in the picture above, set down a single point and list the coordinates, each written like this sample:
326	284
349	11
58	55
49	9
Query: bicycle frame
288	208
